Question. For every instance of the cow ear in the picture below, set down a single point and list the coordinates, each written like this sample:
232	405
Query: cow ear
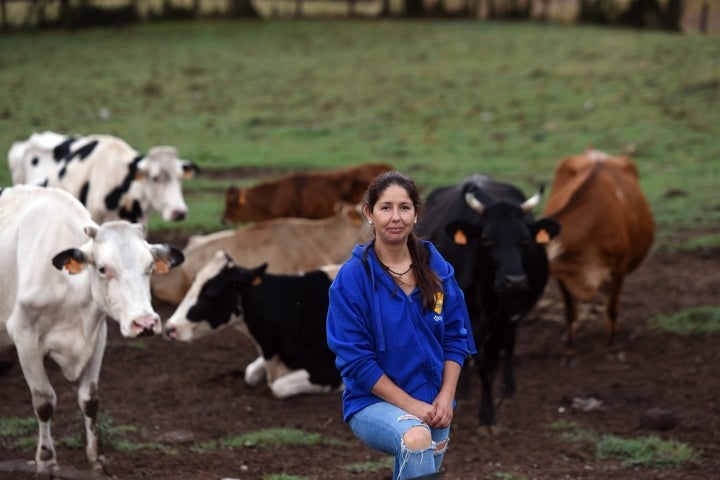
545	229
260	269
165	257
73	260
91	231
141	169
257	274
458	232
459	237
189	169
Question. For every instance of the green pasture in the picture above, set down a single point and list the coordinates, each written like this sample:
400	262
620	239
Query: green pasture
439	100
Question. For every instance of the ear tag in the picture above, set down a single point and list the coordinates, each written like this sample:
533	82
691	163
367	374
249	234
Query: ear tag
160	267
542	236
438	302
460	237
73	266
256	281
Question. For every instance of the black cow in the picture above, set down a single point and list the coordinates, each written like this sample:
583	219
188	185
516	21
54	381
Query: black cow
486	231
284	315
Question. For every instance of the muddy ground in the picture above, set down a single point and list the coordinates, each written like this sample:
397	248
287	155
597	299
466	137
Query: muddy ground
182	395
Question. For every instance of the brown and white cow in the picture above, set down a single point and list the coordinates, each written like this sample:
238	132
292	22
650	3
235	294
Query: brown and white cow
310	194
607	231
108	176
62	276
282	315
287	245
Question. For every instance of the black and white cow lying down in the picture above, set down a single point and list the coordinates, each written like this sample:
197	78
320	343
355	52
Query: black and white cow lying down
283	315
62	276
109	177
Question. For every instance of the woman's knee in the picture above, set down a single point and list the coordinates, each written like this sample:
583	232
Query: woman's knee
417	438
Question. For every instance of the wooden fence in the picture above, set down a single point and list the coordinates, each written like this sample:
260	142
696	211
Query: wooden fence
79	13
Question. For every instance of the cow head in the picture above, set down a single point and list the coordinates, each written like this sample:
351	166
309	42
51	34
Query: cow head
235	206
213	300
119	263
162	173
500	237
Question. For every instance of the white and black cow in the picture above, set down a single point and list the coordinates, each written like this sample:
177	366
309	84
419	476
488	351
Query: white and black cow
283	315
62	276
108	176
486	230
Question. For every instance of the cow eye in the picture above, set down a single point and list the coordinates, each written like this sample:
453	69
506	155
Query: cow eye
155	179
101	270
486	242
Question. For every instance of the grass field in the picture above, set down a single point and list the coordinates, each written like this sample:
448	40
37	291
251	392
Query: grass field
439	100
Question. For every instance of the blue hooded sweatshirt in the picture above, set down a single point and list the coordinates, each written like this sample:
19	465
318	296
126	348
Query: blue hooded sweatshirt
373	327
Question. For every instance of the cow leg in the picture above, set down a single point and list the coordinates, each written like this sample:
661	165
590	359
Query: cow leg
509	361
464	386
89	402
255	372
275	368
611	314
570	322
487	364
43	398
295	383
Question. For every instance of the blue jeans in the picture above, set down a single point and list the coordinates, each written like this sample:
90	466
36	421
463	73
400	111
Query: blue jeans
382	426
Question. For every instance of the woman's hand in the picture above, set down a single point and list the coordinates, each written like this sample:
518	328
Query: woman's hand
443	403
424	411
443	411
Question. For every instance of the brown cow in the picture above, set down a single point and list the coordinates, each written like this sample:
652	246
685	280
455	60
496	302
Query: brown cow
310	194
288	245
607	231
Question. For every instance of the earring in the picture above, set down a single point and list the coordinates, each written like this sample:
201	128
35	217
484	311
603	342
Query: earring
370	222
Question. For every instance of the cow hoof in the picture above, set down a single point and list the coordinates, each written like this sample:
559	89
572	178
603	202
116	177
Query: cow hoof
99	469
617	356
47	468
568	361
488	430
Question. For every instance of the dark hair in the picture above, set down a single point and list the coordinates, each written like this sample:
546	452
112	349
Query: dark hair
427	280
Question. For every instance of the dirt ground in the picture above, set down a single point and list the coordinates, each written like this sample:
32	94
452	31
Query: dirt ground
184	394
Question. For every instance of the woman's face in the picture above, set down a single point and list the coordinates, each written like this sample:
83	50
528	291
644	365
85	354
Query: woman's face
393	216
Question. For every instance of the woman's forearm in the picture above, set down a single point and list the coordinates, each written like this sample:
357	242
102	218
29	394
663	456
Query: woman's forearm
391	393
451	375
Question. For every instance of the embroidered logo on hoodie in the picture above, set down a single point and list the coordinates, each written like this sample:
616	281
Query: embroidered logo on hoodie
438	303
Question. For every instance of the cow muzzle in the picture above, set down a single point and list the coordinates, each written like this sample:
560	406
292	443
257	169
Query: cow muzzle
512	283
145	326
179	333
178	215
171	333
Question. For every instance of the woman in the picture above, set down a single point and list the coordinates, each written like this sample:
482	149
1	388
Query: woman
399	328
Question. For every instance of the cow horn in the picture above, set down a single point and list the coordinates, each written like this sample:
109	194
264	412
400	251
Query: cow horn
474	203
533	201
